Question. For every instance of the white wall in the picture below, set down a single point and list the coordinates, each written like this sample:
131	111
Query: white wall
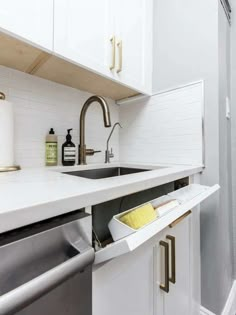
39	105
166	128
186	49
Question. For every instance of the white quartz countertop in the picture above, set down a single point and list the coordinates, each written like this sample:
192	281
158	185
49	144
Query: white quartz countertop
33	195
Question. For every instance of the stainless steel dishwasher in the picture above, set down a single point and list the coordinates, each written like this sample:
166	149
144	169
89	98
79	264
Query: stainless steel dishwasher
46	268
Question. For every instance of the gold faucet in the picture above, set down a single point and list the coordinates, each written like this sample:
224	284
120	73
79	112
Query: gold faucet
83	152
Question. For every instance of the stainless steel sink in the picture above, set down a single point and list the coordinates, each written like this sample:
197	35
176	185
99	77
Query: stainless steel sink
106	172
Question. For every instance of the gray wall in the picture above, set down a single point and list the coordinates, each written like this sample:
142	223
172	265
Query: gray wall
225	240
188	34
233	120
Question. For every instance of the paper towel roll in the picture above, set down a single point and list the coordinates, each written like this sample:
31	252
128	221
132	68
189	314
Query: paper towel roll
6	134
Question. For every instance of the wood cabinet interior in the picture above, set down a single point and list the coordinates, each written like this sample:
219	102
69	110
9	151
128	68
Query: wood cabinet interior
24	57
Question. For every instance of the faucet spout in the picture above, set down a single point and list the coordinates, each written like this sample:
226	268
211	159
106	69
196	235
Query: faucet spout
109	154
83	152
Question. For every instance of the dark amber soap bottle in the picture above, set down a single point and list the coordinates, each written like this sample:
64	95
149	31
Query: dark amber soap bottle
68	151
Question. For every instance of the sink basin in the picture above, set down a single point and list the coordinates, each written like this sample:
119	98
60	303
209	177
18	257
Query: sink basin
106	172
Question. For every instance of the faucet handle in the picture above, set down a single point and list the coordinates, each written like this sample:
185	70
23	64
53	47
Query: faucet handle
92	152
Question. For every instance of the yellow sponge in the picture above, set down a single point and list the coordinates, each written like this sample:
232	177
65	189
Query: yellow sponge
139	217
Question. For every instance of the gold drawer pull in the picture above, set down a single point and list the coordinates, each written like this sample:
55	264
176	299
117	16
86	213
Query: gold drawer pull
120	48
165	286
173	259
113	43
177	221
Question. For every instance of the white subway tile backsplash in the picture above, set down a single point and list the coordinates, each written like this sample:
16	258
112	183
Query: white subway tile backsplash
39	105
166	128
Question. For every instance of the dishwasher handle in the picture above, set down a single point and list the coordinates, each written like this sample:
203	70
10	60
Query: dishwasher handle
27	293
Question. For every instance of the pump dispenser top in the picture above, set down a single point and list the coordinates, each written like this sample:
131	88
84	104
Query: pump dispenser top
51	131
68	136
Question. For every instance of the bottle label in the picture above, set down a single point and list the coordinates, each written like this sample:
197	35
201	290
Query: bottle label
51	153
69	154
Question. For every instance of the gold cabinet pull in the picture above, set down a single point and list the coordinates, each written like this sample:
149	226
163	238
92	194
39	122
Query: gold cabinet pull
120	48
113	43
165	286
177	221
173	259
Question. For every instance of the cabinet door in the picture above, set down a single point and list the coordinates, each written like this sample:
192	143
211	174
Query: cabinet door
30	20
177	301
160	264
125	284
133	26
82	33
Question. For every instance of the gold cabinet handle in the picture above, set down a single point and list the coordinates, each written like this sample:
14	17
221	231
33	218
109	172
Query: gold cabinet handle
177	221
165	286
120	50
113	43
173	259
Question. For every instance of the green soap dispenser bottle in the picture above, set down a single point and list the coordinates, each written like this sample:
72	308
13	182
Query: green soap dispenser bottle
51	148
68	151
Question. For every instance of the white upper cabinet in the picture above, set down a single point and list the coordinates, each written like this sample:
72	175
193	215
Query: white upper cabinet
133	30
29	20
82	32
110	37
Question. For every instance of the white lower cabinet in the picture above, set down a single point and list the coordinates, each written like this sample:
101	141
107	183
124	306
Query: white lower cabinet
173	271
130	284
125	285
155	271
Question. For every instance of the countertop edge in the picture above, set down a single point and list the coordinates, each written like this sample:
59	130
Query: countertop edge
20	217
